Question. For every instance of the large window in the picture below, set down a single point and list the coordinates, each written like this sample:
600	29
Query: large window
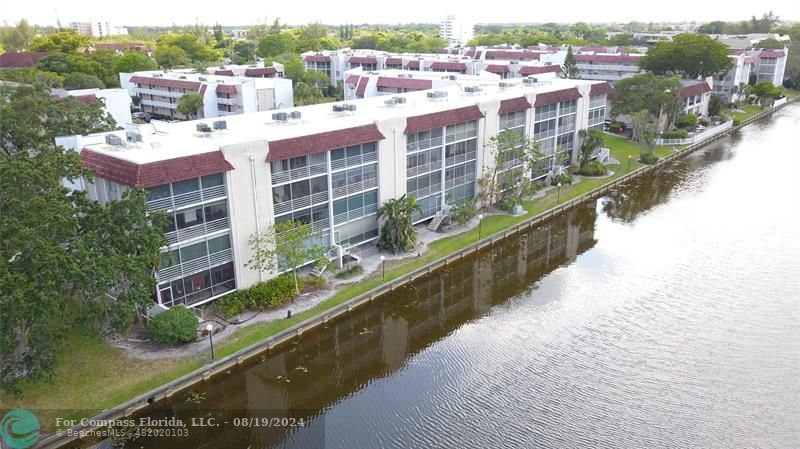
424	139
197	287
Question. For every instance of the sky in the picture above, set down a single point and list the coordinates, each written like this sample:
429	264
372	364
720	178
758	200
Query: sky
45	12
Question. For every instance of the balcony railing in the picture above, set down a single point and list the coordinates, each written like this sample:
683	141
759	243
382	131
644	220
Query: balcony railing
355	187
609	68
298	173
160	93
186	199
354	161
231	101
450	183
355	214
202	229
461	135
158	104
427	191
193	266
566	129
424	144
459	159
424	168
300	203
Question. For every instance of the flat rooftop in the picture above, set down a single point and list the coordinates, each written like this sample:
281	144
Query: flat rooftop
164	141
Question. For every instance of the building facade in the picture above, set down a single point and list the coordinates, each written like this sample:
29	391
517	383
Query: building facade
456	31
329	166
98	28
159	93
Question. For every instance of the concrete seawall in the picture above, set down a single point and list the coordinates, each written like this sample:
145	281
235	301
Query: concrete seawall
219	367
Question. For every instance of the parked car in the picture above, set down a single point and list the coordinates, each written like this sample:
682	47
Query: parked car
143	116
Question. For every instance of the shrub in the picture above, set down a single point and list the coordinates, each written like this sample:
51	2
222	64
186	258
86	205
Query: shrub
615	127
736	121
350	272
176	325
594	169
507	204
463	211
686	121
648	159
677	134
264	295
315	283
563	178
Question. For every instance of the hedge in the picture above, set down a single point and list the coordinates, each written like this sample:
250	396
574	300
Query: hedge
594	169
264	295
176	325
677	134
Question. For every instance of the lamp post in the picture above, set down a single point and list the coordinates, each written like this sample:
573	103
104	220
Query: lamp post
558	194
383	265
629	162
209	328
480	226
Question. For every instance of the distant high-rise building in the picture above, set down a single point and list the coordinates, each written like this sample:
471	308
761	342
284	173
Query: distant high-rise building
456	31
97	28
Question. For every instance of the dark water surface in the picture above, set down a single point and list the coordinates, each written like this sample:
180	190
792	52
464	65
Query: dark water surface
664	315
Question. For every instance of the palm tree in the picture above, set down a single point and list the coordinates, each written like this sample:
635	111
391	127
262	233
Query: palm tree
592	139
398	233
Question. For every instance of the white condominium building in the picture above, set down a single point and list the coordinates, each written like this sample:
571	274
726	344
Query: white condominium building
159	93
330	166
456	31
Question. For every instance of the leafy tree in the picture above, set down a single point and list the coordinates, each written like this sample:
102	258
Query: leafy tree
659	95
275	44
71	63
286	246
243	52
219	35
398	233
686	121
765	92
107	59
169	56
134	62
194	48
32	75
771	44
689	55
276	26
305	94
715	105
65	41
62	253
591	140
293	67
645	127
570	67
79	80
257	32
17	38
507	181
189	104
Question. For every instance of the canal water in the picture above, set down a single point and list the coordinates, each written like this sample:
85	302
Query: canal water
666	314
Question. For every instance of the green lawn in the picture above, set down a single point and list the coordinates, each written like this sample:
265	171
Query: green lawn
92	376
749	111
791	93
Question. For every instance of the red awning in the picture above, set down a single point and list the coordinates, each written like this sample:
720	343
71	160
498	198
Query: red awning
498	69
538	70
321	142
394	61
166	82
260	71
363	60
600	89
449	66
317	58
352	79
226	89
404	83
513	105
223	72
440	119
557	96
362	86
413	64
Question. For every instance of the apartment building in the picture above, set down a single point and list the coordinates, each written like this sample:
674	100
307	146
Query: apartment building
361	84
729	86
696	95
328	165
98	28
116	101
258	70
607	66
159	93
770	65
456	31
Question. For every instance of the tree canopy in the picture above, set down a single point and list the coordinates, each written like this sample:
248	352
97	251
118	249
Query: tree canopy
134	62
66	41
659	95
570	68
189	104
689	55
168	56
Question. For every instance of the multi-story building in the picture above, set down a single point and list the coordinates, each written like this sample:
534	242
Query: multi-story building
329	166
696	95
258	70
116	102
159	93
770	65
747	41
361	84
456	31
98	28
729	86
606	66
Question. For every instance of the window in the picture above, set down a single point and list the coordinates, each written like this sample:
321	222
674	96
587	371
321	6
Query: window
212	180
218	244
319	185
297	162
281	194
193	252
216	211
169	258
300	189
189	217
190	185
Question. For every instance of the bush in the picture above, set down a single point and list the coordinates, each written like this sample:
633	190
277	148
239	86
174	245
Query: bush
677	134
736	122
176	325
594	169
507	204
715	105
268	294
686	121
315	283
463	211
563	178
615	127
350	272
648	159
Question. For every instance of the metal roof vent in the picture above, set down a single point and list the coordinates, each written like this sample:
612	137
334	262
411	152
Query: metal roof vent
280	116
437	95
133	136
113	139
220	124
506	85
203	128
295	115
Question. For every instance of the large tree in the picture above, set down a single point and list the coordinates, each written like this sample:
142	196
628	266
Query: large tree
67	263
189	104
66	41
507	181
17	38
274	45
134	62
194	47
688	55
660	95
169	56
570	68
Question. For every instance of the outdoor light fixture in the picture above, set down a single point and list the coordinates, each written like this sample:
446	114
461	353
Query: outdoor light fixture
210	328
383	265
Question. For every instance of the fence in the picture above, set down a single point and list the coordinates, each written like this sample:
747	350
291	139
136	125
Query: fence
697	138
222	365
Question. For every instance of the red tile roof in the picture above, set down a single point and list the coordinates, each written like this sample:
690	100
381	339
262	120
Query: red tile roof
404	83
226	89
318	143
85	98
495	68
557	96
363	60
771	54
317	58
352	79
600	89
449	66
362	86
120	46
618	59
154	173
691	88
444	118
594	49
22	59
202	90
414	64
394	61
226	72
538	70
259	71
166	82
514	105
513	55
471	53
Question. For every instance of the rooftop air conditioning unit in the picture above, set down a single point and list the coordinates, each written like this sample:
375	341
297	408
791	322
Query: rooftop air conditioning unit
220	124
203	128
337	108
295	115
113	139
202	78
183	77
453	77
506	85
133	136
400	100
350	107
473	89
280	116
